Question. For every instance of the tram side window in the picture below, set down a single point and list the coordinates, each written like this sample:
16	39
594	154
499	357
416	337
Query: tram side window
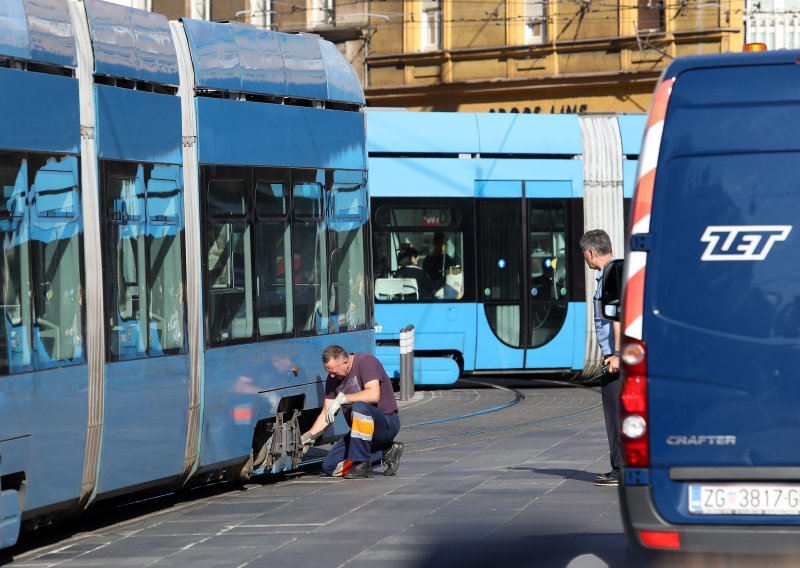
166	312
56	262
419	254
347	302
310	263
15	333
274	247
230	264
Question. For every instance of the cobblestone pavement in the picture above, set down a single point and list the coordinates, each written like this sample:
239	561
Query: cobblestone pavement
512	487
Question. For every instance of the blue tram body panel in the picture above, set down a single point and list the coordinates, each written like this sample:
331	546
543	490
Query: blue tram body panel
138	126
548	134
245	383
45	116
401	132
631	128
239	132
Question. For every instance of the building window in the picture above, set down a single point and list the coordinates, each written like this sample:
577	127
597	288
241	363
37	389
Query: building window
773	22
430	26
535	21
320	13
651	15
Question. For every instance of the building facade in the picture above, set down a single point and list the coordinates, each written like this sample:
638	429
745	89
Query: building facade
527	56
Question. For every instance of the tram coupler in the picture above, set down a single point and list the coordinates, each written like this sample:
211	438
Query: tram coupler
285	446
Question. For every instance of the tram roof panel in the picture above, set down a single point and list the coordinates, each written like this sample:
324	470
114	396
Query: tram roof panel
529	134
37	30
343	83
400	132
132	44
238	58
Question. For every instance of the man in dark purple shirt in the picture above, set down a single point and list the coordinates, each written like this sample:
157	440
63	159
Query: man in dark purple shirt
358	385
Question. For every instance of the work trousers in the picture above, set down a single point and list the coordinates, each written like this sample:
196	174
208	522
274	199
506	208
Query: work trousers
371	432
610	391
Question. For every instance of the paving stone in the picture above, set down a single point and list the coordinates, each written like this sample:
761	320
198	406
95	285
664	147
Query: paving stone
518	491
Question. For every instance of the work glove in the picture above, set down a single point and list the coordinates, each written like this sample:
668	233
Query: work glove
307	440
336	404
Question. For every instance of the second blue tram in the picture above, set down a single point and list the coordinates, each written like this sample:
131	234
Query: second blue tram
183	227
476	223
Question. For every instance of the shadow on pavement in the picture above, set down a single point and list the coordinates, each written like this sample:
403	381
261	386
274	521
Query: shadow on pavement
578	550
577	474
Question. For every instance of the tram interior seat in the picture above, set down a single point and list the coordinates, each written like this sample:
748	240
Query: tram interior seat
396	289
240	327
272	325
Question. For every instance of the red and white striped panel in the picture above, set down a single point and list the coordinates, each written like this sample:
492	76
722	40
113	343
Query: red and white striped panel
636	261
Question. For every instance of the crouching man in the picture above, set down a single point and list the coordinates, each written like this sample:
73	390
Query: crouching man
358	385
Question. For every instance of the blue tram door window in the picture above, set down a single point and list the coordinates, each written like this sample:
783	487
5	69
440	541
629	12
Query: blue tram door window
230	260
501	253
310	260
15	333
274	246
166	297
547	248
347	256
127	279
56	262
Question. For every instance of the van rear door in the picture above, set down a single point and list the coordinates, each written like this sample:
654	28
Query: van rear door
722	287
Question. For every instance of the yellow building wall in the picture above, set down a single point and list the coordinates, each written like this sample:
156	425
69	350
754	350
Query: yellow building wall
386	28
477	24
595	57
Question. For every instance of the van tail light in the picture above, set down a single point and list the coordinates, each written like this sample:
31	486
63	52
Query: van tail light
634	415
634	426
660	539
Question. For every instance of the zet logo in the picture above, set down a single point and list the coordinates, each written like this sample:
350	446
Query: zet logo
742	242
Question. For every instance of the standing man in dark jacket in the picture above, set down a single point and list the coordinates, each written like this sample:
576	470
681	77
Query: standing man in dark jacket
596	248
358	385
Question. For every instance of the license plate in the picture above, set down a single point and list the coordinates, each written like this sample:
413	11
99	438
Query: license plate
744	499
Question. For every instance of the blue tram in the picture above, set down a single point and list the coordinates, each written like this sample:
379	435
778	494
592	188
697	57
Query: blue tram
476	220
183	225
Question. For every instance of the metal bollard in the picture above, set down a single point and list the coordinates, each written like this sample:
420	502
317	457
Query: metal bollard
403	370
407	362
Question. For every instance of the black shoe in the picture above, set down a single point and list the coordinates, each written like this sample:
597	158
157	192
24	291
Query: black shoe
608	475
360	470
607	482
391	458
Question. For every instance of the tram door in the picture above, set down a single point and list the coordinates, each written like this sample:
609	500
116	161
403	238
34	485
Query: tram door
523	275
